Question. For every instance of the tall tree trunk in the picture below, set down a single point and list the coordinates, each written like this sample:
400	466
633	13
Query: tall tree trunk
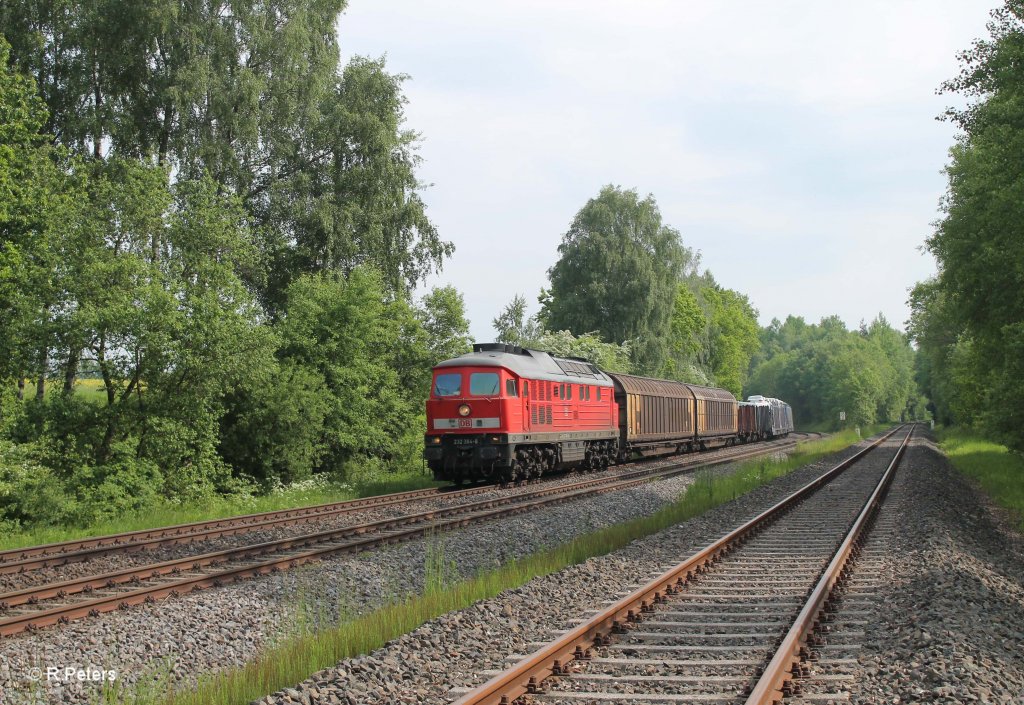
71	371
97	136
41	380
108	382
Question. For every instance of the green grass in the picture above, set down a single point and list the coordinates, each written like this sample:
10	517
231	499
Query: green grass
296	657
830	427
299	495
999	471
88	388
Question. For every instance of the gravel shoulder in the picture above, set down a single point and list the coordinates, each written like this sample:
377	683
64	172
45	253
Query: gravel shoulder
950	623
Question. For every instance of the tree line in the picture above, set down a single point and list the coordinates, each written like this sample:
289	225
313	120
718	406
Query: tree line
968	320
824	370
218	226
634	296
627	293
207	215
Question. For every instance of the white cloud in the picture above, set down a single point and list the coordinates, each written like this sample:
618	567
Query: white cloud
793	143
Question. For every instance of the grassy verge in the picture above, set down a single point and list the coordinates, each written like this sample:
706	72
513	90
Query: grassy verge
296	657
999	471
299	495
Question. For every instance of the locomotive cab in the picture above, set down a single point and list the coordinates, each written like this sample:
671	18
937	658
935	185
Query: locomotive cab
470	411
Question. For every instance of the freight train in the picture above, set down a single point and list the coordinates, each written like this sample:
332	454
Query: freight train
504	414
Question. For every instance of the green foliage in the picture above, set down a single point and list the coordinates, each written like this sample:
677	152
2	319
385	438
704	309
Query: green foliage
623	277
732	336
688	337
442	315
245	499
968	320
192	188
999	471
353	198
252	95
513	326
273	428
37	195
345	331
617	275
607	356
824	369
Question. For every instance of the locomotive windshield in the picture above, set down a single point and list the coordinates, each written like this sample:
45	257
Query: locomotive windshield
483	384
448	385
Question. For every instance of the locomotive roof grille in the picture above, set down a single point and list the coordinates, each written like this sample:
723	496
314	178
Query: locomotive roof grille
499	347
577	369
534	364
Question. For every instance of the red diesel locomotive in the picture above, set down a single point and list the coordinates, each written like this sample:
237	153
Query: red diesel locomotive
504	413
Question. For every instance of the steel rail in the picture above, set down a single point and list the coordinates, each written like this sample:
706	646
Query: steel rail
20	560
423	523
181	533
572	491
773	685
527	675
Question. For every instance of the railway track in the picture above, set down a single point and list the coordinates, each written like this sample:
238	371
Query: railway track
744	620
35	607
20	560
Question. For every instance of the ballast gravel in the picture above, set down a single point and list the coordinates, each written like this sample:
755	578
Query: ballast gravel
949	628
949	625
121	561
179	640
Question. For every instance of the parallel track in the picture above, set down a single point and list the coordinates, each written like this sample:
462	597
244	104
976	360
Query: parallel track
20	560
57	603
733	623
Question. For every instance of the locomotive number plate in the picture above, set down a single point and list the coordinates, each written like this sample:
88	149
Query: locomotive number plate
471	441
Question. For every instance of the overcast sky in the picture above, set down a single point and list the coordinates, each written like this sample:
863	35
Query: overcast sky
794	144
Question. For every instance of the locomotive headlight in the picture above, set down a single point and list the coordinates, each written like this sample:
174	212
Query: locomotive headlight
464	410
434	440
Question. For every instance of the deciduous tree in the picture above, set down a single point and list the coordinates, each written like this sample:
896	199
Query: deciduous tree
617	275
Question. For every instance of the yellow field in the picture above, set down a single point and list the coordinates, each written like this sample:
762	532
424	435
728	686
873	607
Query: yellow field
88	389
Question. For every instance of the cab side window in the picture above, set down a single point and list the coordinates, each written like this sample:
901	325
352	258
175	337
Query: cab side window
510	388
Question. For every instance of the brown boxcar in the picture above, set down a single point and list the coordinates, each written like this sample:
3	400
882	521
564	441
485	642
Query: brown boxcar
659	414
747	421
